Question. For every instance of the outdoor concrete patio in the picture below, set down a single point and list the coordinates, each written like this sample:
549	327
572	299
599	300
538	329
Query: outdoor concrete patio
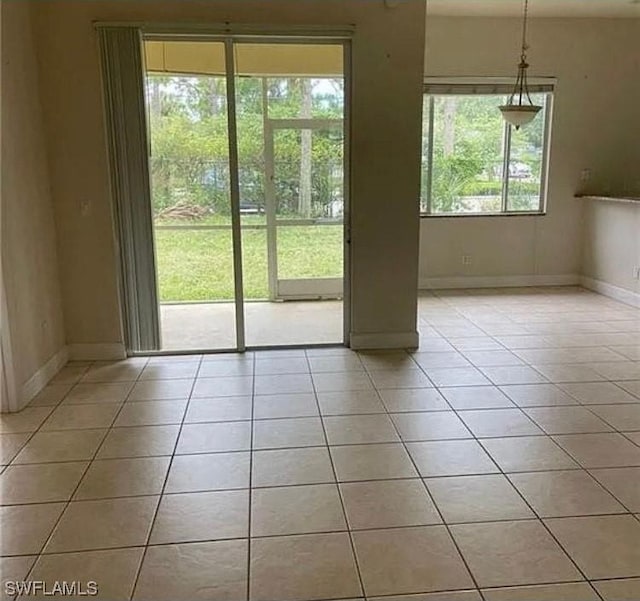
212	325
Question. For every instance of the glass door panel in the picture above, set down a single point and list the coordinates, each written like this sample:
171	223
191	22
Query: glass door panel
290	108
190	190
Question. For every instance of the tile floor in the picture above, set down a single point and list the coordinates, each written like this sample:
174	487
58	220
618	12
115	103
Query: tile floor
499	462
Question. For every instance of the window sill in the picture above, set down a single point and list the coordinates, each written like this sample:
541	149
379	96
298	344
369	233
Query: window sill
461	215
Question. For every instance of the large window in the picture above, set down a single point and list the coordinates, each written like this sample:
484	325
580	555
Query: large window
473	163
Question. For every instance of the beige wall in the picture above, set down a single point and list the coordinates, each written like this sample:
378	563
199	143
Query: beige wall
28	231
387	76
595	126
611	245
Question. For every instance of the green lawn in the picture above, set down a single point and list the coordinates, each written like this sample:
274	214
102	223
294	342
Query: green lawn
198	266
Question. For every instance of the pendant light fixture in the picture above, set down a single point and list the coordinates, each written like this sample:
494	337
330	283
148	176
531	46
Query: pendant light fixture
520	109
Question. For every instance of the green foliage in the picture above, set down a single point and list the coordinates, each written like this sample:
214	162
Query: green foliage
190	146
455	172
467	156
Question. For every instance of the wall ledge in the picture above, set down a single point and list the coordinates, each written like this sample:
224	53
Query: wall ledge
102	351
623	295
42	377
384	340
509	281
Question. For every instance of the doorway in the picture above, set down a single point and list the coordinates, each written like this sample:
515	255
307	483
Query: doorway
248	187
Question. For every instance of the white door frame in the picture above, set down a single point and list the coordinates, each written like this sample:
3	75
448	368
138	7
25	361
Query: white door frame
298	288
230	36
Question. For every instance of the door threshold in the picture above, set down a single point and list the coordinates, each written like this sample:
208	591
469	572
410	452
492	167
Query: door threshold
249	349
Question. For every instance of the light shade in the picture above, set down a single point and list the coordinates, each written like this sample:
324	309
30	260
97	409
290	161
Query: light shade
519	114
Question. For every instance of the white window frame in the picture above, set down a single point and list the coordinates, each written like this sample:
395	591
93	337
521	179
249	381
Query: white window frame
434	86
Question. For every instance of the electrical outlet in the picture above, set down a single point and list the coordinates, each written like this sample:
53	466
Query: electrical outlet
466	259
636	273
585	175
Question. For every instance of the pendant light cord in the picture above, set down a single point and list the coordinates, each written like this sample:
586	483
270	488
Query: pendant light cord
524	29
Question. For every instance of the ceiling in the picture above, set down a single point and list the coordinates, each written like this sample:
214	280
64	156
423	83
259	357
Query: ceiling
537	8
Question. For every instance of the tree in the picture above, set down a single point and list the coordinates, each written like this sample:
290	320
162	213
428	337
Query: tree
305	150
189	142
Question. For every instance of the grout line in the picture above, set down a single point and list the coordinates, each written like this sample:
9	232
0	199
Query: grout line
250	493
428	492
164	485
354	444
525	501
366	481
52	407
536	514
337	485
80	480
531	518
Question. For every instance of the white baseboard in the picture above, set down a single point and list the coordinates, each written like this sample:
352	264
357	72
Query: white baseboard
106	351
623	295
384	340
42	377
508	281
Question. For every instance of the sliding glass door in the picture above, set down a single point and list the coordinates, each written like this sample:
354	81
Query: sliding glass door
247	190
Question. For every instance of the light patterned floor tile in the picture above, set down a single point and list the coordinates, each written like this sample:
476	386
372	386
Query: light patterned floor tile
450	458
570	493
296	510
602	546
219	471
372	462
600	450
355	402
476	397
286	433
139	441
211	571
103	524
488	423
388	504
409	560
513	553
25	528
201	516
72	445
432	425
40	483
328	572
123	478
477	499
114	571
291	466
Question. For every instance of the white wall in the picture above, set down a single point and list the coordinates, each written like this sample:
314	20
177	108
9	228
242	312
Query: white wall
29	259
611	249
595	126
387	71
